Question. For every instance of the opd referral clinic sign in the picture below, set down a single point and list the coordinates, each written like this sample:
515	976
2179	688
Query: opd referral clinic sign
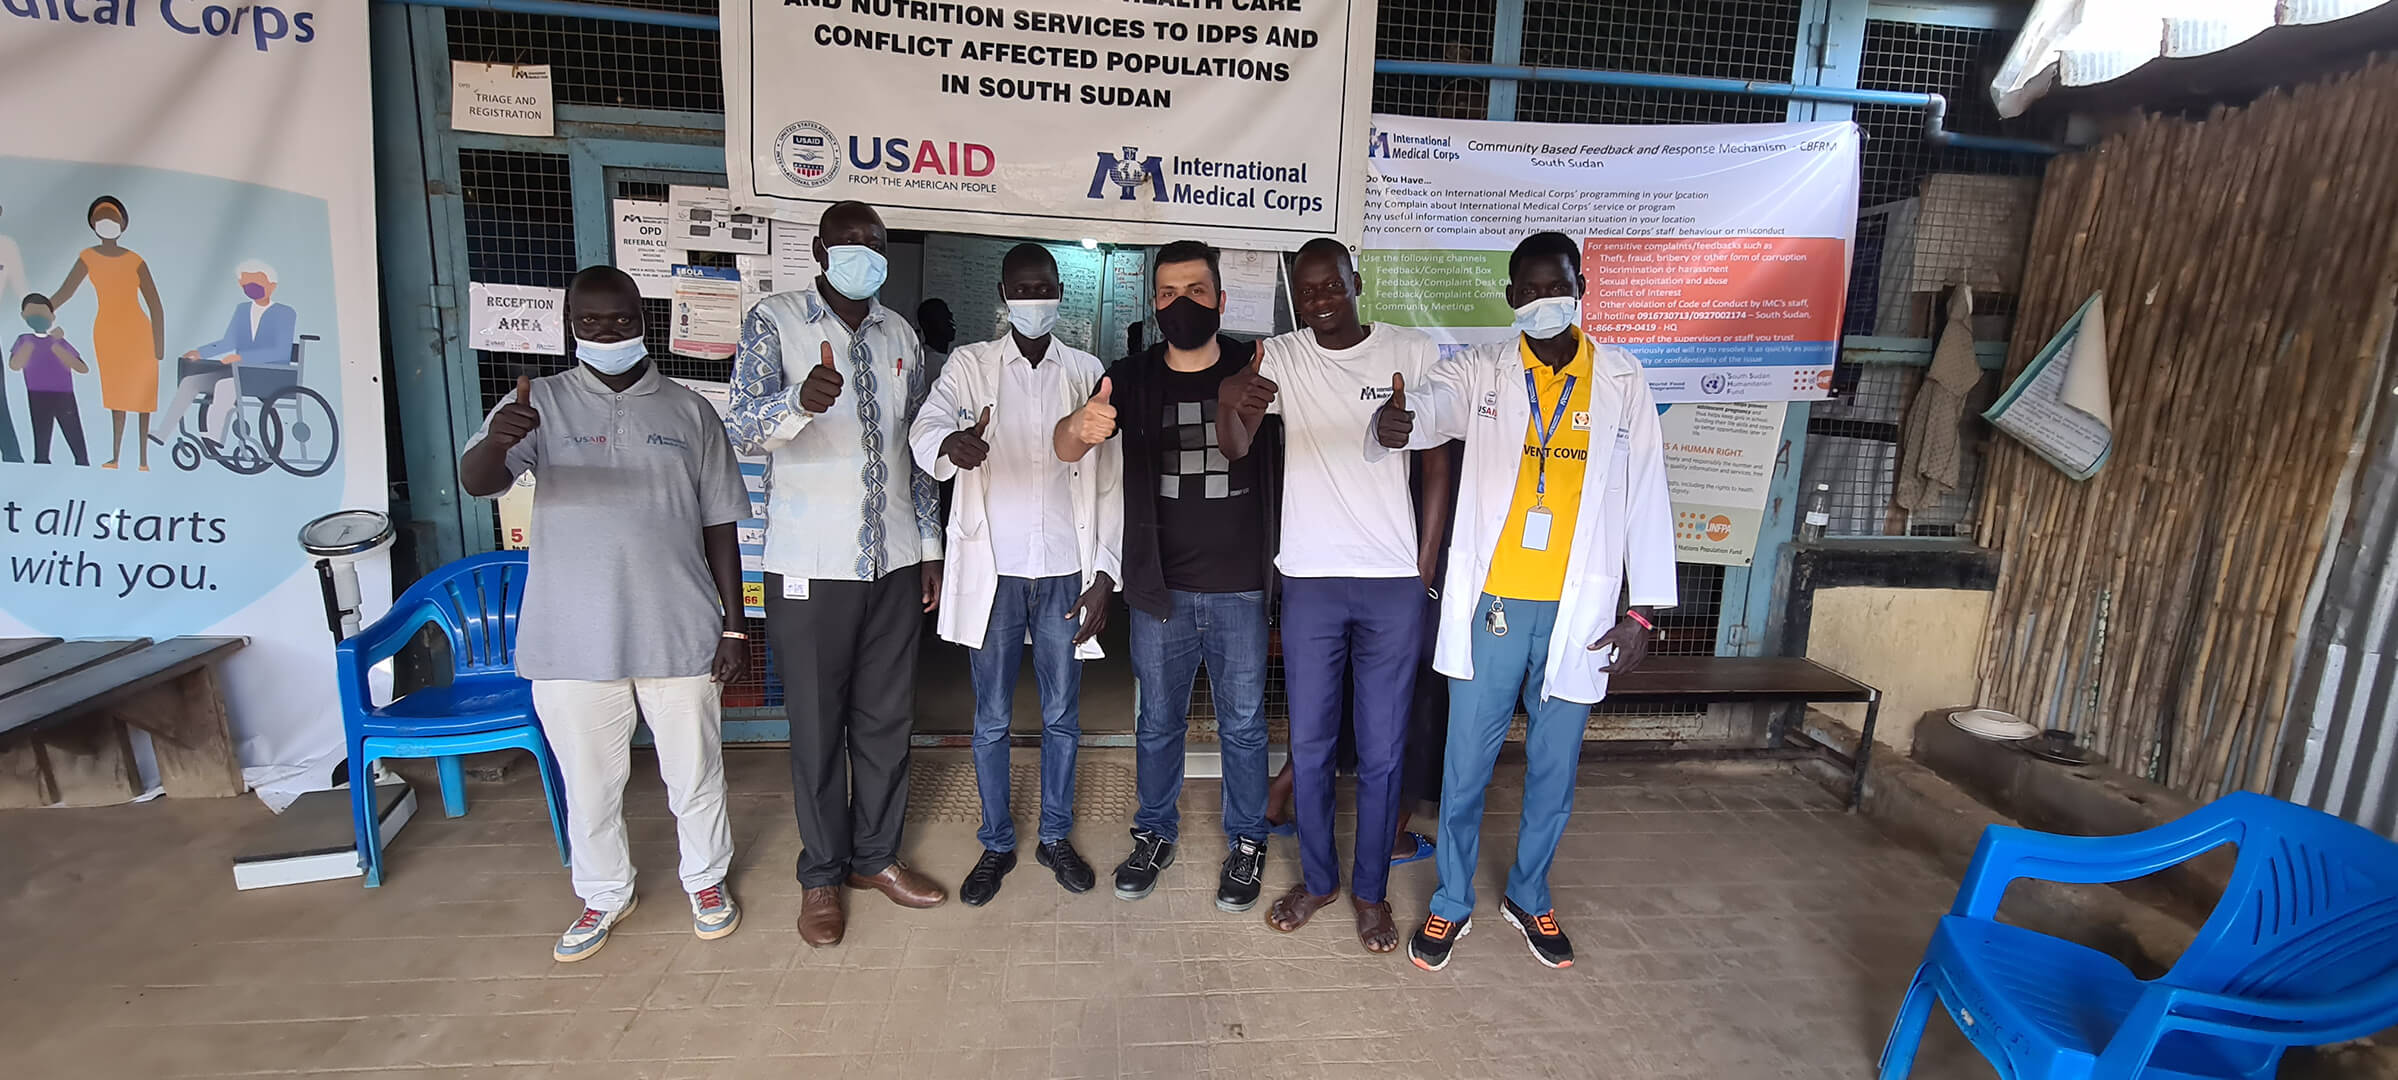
1241	123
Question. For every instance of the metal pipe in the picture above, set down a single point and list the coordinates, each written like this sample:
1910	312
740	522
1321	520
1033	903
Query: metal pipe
577	9
1934	106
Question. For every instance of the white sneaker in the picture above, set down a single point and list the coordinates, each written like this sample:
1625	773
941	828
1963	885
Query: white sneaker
713	912
590	932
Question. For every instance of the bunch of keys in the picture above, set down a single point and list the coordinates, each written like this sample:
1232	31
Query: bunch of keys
1496	617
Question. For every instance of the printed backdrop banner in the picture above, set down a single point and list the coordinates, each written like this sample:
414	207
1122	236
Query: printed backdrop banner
1717	253
1237	123
192	239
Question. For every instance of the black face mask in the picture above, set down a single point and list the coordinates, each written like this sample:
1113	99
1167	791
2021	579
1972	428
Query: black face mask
1187	323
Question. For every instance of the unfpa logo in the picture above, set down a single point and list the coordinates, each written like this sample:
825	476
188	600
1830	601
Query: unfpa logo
1129	173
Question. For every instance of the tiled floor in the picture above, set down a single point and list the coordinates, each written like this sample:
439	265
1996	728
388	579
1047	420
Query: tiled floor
1730	923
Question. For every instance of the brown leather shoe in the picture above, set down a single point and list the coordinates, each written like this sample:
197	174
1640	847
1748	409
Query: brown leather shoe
820	918
905	887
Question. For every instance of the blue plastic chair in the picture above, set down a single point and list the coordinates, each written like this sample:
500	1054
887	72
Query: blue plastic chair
2301	950
486	706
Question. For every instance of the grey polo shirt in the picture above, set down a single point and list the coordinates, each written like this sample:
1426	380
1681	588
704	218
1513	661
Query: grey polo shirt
623	484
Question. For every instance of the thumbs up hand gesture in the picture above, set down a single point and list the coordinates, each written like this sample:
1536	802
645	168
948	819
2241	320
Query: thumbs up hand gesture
823	384
517	418
965	447
1248	392
1095	422
1393	423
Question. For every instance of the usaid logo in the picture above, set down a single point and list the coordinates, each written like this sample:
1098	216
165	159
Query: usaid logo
1129	172
805	153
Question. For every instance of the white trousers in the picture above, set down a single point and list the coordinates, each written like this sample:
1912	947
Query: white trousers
590	728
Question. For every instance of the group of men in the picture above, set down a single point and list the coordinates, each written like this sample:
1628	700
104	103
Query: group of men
1197	477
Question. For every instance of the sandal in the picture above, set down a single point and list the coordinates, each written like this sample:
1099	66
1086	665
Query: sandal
1375	930
1291	910
1423	850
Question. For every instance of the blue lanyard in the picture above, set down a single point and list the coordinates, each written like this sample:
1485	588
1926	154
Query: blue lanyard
1540	485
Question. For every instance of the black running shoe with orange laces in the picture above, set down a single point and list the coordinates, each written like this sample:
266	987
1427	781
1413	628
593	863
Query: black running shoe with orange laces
1430	945
1549	944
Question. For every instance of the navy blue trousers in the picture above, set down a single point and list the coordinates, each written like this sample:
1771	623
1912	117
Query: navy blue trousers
1371	630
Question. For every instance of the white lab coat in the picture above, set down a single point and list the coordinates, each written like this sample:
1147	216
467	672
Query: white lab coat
968	383
1623	531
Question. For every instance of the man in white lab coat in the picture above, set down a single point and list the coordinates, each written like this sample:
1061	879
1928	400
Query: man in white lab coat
1563	543
1035	547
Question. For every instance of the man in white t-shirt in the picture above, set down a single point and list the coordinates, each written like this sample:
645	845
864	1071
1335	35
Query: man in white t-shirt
1354	574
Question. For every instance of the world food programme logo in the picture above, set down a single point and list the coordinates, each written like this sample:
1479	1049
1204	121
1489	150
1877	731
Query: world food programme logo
805	153
1128	172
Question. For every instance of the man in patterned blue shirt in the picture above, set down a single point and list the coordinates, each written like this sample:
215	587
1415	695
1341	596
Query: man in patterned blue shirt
826	383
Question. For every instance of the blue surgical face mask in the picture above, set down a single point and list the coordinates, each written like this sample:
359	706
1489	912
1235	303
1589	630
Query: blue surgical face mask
856	270
1032	318
1548	317
611	357
41	324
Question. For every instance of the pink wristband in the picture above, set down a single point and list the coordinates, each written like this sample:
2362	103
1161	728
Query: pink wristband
1637	617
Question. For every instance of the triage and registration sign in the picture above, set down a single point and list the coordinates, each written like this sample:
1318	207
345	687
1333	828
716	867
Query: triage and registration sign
1239	122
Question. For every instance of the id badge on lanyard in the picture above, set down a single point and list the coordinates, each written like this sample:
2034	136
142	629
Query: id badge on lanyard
1538	519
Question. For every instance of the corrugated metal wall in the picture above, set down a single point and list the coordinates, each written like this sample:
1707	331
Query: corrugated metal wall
2340	753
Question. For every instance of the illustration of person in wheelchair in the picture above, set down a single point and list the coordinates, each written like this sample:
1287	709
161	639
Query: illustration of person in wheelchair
257	416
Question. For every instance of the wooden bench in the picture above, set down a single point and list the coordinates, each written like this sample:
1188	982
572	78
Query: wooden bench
66	707
1754	680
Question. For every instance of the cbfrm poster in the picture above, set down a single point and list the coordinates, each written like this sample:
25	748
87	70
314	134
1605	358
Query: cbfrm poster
1717	253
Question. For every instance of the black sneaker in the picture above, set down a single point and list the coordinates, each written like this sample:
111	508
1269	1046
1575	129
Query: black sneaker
1549	944
1430	946
982	883
1237	885
1136	876
1061	859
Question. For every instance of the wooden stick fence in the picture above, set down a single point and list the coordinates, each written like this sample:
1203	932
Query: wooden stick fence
2249	262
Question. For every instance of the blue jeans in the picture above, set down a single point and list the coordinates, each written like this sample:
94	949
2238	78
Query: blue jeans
1228	631
1479	710
1369	630
1040	606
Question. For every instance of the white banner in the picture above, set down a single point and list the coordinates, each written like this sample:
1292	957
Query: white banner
1236	123
1717	253
200	220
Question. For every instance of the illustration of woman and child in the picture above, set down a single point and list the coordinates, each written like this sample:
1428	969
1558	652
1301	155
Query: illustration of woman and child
128	343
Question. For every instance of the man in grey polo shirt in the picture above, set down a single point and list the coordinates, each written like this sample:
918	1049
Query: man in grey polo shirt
633	607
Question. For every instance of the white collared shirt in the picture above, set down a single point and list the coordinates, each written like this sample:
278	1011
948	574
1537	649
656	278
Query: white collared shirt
1031	507
822	473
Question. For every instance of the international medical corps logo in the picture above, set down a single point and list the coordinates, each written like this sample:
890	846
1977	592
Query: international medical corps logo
805	153
1129	172
1378	143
